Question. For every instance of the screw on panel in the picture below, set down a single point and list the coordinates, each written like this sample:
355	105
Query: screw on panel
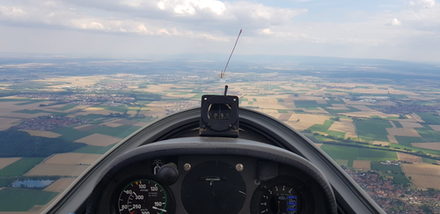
187	166
239	167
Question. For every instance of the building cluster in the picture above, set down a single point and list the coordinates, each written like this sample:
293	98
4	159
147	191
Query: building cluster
51	122
395	198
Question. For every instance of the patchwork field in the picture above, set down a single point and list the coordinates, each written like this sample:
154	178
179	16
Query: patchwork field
4	162
59	185
99	140
346	126
65	164
435	127
44	169
403	132
408	157
364	124
39	133
362	164
20	167
372	129
304	121
356	153
423	175
432	145
72	158
6	123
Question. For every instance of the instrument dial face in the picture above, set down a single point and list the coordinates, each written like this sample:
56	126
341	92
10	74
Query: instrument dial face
276	198
213	187
144	196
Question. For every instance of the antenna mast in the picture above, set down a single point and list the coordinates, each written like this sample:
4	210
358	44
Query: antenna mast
222	74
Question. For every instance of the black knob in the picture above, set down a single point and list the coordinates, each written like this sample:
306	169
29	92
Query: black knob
168	173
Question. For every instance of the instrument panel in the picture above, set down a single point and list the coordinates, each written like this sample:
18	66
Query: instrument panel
199	184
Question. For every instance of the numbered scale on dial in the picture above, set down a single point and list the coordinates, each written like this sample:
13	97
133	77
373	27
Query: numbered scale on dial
144	196
276	198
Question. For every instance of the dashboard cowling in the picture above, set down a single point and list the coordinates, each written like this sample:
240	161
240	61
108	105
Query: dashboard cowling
255	157
254	126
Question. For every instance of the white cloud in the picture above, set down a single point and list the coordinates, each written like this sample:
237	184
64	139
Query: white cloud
211	23
423	3
11	11
266	31
191	7
395	22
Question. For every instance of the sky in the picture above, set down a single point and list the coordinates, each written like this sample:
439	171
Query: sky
407	30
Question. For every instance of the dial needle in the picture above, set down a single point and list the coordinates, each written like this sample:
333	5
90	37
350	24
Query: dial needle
157	208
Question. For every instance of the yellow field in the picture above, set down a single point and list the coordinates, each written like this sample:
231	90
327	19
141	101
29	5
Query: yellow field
408	157
367	112
7	109
271	112
44	169
362	164
59	185
72	158
431	145
93	110
403	132
159	88
344	125
73	81
410	124
415	117
339	107
4	162
112	124
265	102
423	175
65	164
303	121
435	127
6	123
284	116
98	140
392	139
42	133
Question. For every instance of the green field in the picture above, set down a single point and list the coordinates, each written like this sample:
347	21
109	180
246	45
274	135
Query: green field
6	181
94	149
20	167
336	111
391	170
71	134
324	128
306	104
120	132
30	101
397	124
372	129
23	199
29	111
120	108
430	118
428	134
357	153
67	107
